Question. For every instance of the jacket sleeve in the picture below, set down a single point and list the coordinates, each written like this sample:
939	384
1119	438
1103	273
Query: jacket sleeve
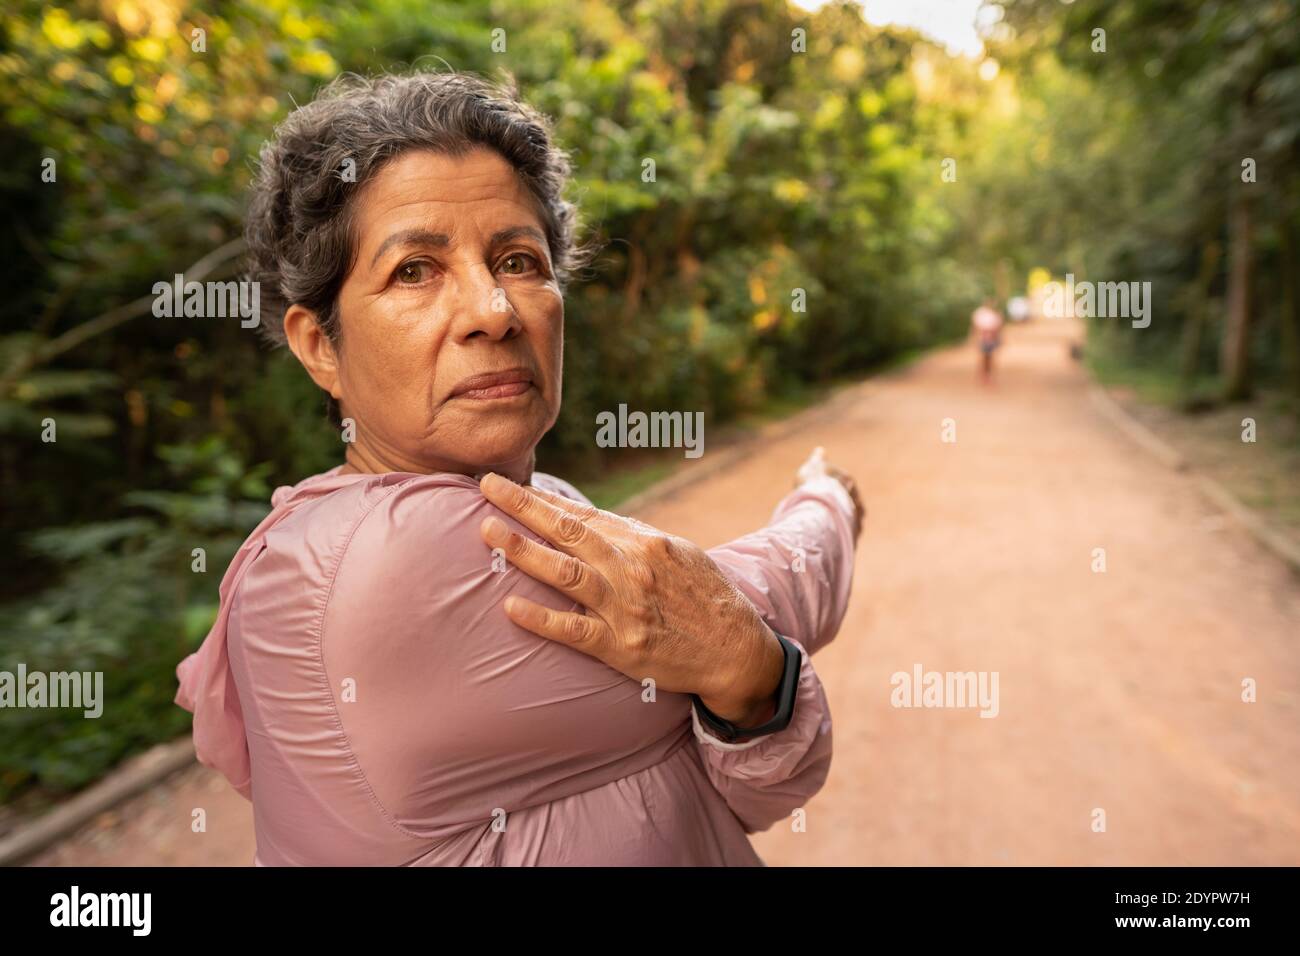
798	573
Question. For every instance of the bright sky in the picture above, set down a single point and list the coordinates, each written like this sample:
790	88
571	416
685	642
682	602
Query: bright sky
951	22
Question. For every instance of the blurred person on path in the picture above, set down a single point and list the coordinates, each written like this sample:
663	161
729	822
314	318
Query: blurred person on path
986	323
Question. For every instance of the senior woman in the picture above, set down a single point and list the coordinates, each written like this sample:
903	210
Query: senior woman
433	654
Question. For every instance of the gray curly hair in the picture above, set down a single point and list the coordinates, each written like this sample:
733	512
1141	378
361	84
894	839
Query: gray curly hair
299	230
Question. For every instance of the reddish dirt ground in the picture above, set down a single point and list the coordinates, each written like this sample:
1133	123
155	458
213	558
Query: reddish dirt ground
1119	691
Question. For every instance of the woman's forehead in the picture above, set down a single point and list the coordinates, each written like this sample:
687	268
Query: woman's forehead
422	184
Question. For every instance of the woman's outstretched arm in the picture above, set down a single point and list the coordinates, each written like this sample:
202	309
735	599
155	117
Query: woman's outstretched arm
798	570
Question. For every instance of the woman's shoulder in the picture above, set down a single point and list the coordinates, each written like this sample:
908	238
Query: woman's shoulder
336	494
558	486
387	509
318	523
384	522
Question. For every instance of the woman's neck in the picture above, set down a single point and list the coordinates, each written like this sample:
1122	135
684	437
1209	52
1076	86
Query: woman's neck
359	460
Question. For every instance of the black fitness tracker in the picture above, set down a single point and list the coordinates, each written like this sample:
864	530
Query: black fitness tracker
785	695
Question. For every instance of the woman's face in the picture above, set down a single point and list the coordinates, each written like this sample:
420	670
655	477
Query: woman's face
452	322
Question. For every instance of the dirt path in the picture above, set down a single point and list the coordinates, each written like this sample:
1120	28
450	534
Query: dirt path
1118	691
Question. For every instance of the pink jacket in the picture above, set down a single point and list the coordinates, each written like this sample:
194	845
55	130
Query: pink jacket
364	688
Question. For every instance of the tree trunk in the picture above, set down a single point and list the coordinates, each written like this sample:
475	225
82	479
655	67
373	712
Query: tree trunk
1234	358
1290	318
1198	309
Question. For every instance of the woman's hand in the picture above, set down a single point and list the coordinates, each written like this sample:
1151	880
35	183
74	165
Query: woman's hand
816	466
657	605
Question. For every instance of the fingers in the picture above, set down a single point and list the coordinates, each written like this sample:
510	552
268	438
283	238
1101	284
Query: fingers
815	466
844	478
614	527
562	528
851	486
565	573
583	512
582	632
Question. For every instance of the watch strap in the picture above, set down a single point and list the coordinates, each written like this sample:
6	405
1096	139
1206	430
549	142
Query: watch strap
785	696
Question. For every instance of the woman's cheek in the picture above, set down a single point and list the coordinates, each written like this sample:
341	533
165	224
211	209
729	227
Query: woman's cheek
547	305
388	387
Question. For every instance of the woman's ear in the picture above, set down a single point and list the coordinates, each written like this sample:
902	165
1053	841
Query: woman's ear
312	347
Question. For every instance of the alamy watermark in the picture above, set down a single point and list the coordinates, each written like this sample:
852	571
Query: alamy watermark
74	908
626	429
208	300
1101	300
80	689
945	689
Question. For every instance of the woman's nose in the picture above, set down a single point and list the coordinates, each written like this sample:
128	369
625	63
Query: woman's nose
482	309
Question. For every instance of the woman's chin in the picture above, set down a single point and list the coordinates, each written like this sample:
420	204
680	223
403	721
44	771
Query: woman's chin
473	438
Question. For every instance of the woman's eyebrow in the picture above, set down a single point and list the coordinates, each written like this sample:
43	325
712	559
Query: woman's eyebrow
410	237
505	235
423	237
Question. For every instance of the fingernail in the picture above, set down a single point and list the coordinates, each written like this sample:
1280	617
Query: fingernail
510	604
496	529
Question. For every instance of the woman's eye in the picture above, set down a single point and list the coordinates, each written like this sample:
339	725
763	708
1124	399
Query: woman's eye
518	263
410	273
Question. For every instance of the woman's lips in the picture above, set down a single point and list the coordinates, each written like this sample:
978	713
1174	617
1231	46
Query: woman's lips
508	390
506	384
